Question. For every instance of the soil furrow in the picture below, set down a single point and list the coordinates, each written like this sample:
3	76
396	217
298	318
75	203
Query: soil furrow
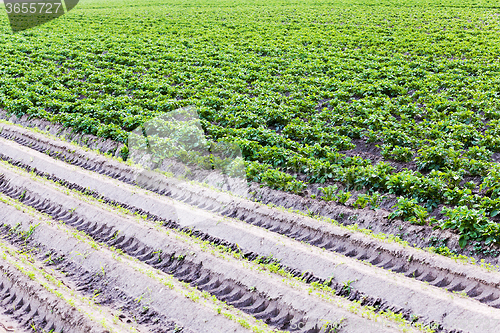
34	299
139	296
350	292
342	289
277	306
171	263
431	269
250	212
93	285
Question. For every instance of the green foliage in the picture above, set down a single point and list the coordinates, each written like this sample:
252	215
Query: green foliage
296	86
409	210
124	153
397	153
437	157
443	250
361	201
471	224
330	194
479	153
274	178
364	199
373	177
413	185
491	183
342	196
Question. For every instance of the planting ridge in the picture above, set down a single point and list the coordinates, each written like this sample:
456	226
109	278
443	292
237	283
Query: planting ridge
256	242
259	295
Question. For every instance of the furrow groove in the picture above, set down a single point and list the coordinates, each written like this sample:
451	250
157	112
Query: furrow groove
178	206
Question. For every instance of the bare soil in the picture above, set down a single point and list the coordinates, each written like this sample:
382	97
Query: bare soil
375	271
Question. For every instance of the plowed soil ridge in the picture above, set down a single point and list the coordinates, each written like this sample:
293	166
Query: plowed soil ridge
253	294
341	289
225	289
30	306
440	272
32	301
135	296
260	215
90	284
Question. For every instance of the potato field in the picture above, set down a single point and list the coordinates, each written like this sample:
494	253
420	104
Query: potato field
224	166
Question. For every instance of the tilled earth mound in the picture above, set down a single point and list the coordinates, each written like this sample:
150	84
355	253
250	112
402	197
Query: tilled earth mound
127	250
